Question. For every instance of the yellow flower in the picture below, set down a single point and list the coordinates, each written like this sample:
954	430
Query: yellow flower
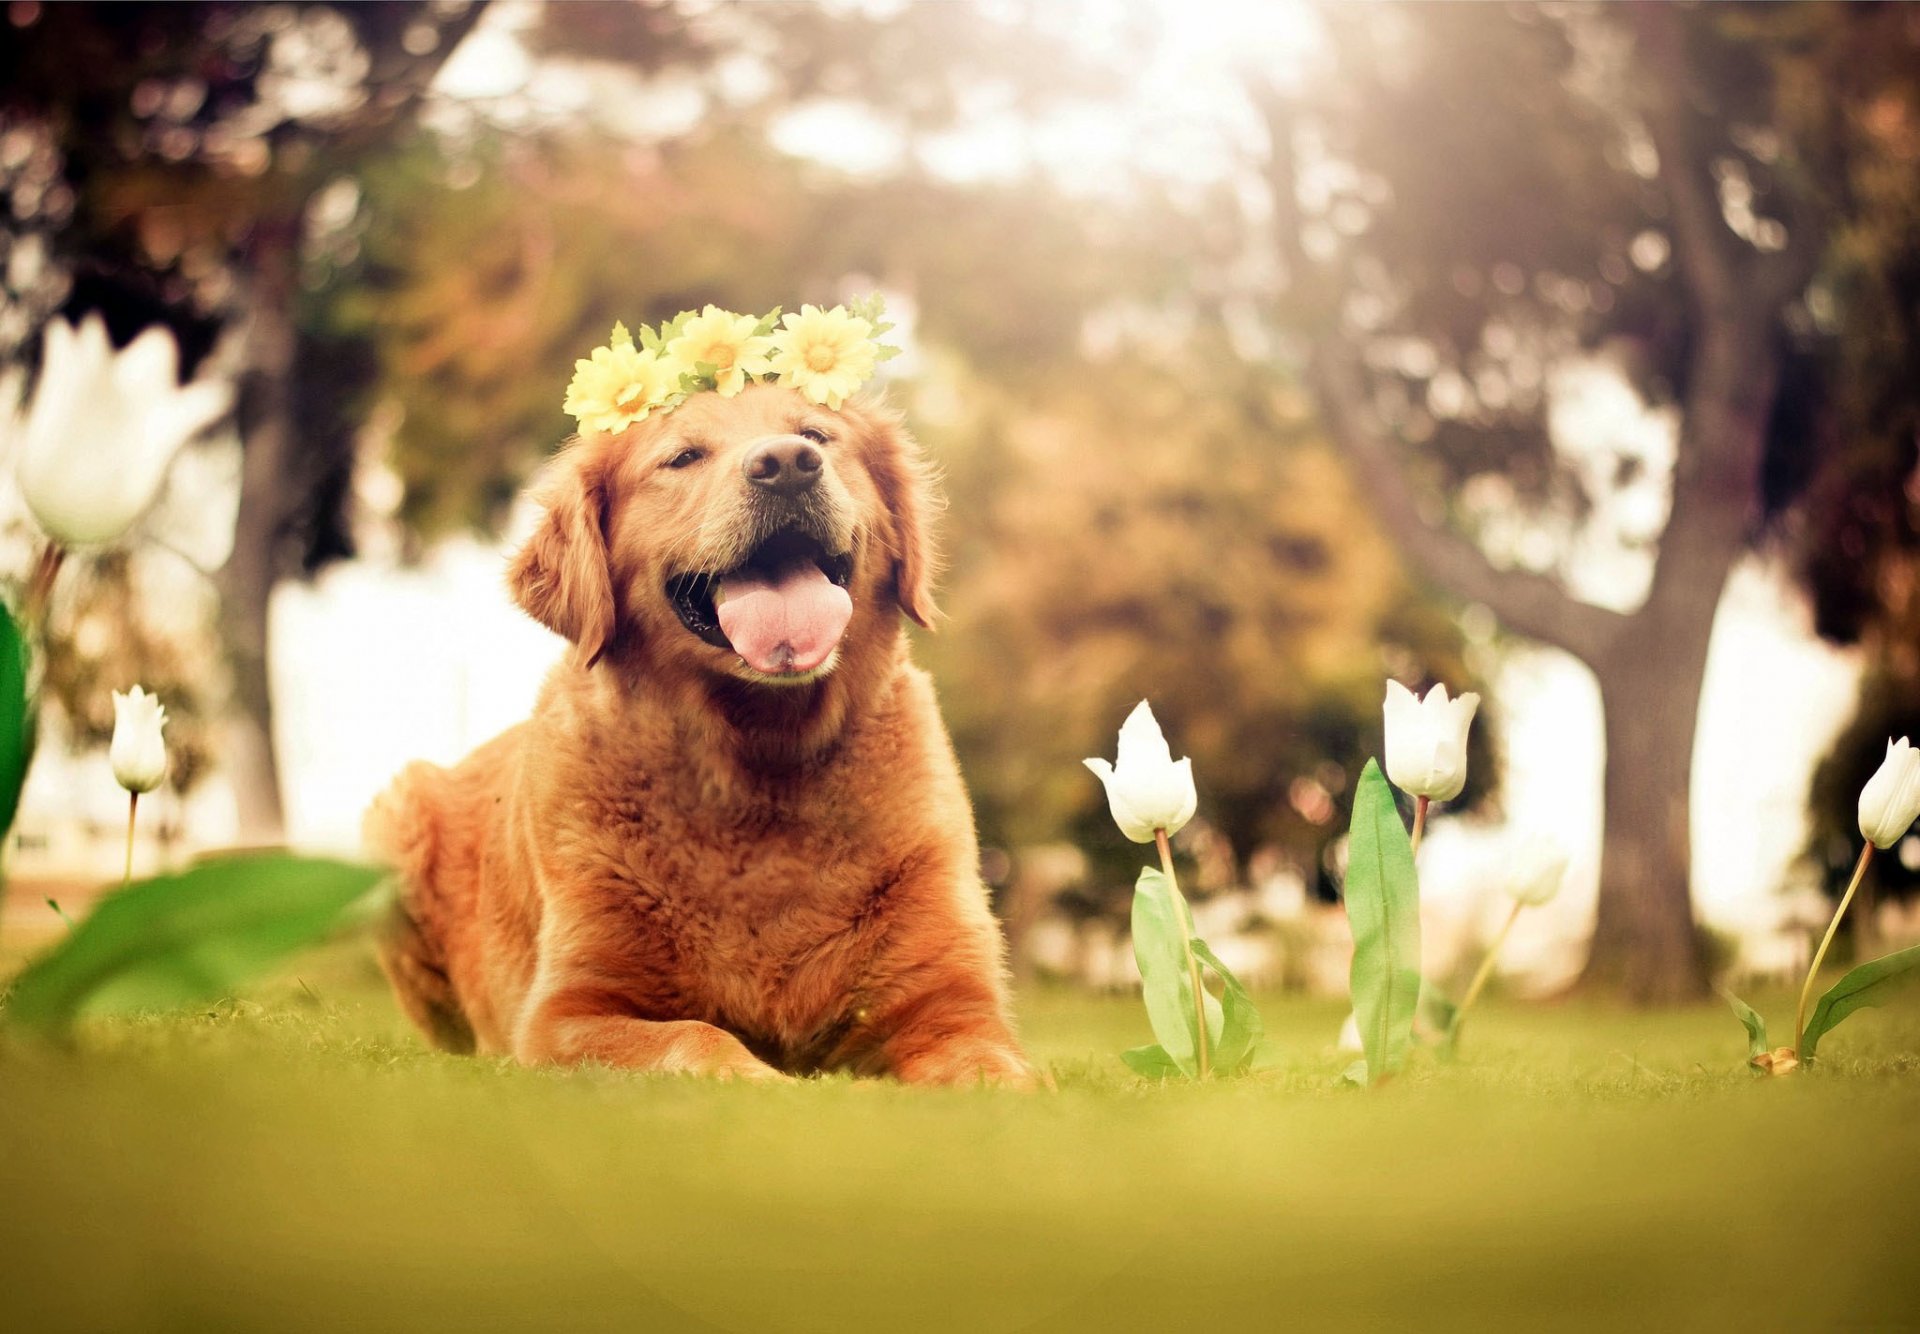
619	384
825	354
726	342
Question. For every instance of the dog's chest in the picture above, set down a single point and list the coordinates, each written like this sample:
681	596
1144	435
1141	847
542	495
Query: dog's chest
777	939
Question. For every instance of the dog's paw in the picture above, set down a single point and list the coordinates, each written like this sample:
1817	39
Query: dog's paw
959	1066
701	1049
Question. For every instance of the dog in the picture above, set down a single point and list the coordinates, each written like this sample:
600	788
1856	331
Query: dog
732	838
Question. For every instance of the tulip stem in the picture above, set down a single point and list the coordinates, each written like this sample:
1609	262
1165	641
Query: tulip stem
1819	955
1419	821
1186	944
133	808
40	587
1486	968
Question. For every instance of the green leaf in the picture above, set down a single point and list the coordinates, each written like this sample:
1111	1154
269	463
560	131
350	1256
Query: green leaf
16	718
768	323
1240	1026
1159	948
1435	1009
1440	1015
1151	1062
1756	1027
1868	985
1160	954
178	939
674	327
1355	1073
1383	905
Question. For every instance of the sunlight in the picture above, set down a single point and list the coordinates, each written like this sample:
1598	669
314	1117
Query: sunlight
1277	40
1185	116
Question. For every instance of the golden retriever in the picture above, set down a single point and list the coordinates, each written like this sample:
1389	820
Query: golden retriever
732	838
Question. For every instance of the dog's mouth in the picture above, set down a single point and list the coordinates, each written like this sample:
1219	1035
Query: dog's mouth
784	609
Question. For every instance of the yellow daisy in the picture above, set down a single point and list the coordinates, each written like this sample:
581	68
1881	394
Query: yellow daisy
619	384
725	341
825	354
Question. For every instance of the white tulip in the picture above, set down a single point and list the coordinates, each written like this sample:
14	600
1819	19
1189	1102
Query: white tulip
1891	799
1146	790
1427	741
102	427
1536	871
139	752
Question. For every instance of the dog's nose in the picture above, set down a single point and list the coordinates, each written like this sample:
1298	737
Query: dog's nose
785	465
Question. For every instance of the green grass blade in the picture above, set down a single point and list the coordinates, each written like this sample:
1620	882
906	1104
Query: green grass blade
1383	905
1867	985
178	939
1756	1026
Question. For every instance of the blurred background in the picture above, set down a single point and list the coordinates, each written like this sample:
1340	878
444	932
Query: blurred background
1566	353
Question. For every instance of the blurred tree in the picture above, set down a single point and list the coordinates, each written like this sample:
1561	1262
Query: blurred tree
1855	80
1134	530
1480	193
174	155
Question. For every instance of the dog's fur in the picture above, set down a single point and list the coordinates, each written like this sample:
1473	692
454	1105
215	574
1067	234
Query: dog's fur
676	864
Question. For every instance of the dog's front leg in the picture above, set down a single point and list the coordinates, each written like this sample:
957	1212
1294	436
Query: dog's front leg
570	1027
951	1028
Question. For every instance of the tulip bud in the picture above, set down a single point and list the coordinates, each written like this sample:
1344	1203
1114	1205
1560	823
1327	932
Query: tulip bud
1536	871
139	752
102	427
1146	790
1427	741
1891	799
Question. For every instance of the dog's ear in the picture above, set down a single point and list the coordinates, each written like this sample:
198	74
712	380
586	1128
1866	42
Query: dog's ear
906	485
561	577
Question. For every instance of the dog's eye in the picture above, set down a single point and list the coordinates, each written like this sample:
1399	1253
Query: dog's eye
686	458
813	433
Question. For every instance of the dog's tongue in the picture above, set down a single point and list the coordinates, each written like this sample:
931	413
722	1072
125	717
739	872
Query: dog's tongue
786	622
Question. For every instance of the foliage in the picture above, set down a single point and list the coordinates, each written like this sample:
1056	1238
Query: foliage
1858	546
177	939
1162	934
1130	530
1383	903
16	717
1756	1027
1865	985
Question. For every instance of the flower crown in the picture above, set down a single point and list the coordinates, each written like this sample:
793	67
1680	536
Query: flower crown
825	354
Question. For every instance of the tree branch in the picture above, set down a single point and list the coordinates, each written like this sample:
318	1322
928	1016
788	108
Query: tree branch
1532	604
1708	252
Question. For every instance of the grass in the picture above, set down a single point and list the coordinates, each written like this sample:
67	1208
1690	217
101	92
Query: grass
298	1162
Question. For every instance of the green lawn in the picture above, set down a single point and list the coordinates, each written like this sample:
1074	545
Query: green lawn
298	1162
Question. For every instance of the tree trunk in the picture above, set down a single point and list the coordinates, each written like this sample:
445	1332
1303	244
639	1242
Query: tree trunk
247	580
271	491
1645	943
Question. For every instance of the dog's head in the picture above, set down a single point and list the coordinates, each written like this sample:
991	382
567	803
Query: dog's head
759	538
